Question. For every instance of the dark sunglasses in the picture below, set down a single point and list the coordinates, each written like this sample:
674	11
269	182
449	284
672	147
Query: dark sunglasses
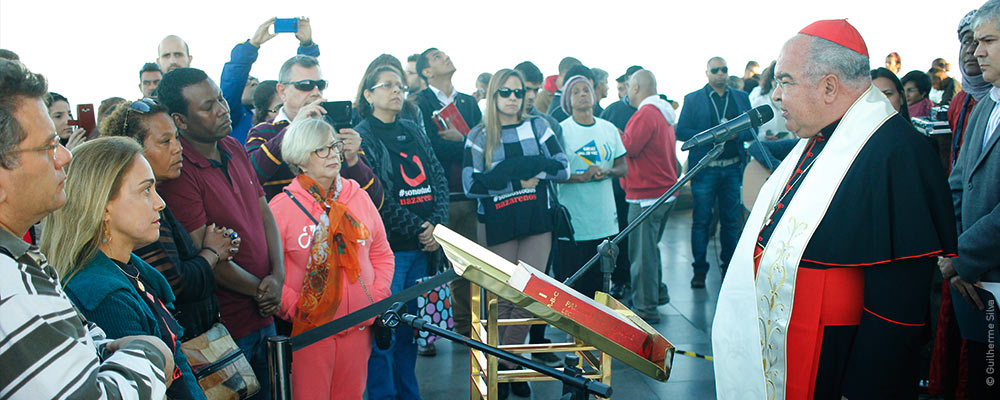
506	92
307	85
140	106
716	70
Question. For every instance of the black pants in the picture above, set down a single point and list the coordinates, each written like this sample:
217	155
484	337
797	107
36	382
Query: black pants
622	274
571	257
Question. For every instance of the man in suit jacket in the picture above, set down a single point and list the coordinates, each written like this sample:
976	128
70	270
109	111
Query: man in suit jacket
720	182
975	187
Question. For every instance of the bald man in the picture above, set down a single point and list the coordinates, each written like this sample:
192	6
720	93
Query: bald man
649	141
719	184
172	53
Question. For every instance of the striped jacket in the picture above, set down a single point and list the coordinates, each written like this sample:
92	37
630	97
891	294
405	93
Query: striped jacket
49	351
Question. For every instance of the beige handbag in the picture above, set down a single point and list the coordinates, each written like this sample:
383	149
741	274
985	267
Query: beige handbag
220	366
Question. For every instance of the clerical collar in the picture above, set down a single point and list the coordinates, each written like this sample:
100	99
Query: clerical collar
828	130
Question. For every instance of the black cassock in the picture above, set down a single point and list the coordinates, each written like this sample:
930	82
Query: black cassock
864	281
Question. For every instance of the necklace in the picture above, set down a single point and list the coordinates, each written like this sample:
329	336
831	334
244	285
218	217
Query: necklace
136	277
786	192
721	117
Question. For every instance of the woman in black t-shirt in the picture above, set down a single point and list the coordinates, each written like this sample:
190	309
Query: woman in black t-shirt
416	199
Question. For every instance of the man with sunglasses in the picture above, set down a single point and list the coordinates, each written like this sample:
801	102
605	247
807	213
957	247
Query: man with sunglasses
718	185
300	87
236	81
49	349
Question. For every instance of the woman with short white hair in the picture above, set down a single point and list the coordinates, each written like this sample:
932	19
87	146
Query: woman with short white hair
337	261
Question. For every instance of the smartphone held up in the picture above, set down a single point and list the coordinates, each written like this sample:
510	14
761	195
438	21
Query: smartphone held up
338	114
286	25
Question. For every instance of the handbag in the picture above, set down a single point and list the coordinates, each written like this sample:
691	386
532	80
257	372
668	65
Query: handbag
219	365
434	307
381	334
562	227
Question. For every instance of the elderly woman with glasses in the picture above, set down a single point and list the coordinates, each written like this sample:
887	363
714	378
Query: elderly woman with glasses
189	264
337	261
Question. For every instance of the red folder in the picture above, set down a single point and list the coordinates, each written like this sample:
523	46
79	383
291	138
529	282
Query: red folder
449	117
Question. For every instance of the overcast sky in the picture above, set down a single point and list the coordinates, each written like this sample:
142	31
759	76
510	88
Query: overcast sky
91	50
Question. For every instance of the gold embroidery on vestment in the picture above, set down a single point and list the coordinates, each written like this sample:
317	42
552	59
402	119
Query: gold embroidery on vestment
775	288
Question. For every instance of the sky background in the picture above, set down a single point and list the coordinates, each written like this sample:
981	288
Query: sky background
91	50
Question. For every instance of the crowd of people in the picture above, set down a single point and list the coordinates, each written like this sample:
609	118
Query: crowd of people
249	204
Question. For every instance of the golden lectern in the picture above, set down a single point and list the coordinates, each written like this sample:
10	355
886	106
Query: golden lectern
602	324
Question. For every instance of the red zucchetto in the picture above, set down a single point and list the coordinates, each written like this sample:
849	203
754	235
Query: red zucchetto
838	31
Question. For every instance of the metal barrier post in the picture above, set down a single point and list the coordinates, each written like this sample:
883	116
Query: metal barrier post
279	364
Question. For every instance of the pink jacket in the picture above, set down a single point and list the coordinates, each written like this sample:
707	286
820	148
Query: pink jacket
377	262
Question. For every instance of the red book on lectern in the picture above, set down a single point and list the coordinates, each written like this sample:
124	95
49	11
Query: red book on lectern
583	310
449	117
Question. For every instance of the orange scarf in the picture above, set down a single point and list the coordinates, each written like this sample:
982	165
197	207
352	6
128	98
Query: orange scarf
334	254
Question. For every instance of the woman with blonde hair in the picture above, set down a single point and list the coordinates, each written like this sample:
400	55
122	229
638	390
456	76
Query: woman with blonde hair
510	162
111	208
337	261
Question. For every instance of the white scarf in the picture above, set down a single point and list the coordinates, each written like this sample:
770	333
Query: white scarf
749	332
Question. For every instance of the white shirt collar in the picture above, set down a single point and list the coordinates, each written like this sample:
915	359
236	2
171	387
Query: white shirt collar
281	116
445	99
995	94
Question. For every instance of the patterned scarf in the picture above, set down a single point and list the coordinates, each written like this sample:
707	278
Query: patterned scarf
334	254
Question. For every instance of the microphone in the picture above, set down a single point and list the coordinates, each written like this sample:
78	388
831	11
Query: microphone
728	130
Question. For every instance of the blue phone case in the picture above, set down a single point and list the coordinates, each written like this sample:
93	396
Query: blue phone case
286	25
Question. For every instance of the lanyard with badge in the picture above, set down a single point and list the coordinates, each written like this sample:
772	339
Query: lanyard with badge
722	118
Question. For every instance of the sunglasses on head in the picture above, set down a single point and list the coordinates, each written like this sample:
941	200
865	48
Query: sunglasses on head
307	85
506	92
716	70
141	106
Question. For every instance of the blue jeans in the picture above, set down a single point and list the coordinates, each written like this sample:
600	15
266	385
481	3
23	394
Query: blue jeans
722	185
254	347
391	372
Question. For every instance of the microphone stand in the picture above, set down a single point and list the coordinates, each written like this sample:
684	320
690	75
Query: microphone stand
575	385
607	251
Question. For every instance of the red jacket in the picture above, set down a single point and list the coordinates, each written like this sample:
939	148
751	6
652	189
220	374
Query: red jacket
651	154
